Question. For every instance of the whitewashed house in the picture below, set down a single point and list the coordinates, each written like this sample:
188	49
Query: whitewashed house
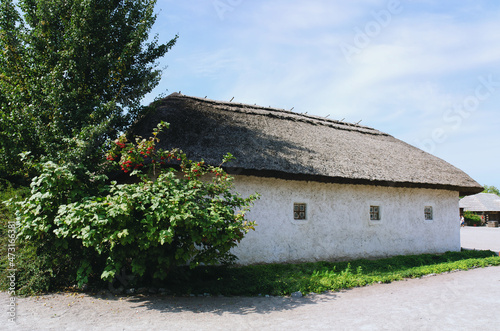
330	190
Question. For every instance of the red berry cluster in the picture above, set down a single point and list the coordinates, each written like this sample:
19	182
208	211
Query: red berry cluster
148	151
125	165
131	156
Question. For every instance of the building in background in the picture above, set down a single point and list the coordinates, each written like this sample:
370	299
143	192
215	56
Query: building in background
487	205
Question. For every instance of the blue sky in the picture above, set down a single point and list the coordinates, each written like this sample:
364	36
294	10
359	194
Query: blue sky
426	72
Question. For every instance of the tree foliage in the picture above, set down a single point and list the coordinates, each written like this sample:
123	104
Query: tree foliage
72	73
185	213
491	189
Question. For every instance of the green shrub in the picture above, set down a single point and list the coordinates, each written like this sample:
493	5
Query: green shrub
41	260
164	218
472	219
31	275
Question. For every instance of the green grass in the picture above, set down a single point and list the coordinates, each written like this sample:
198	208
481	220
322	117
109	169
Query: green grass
284	279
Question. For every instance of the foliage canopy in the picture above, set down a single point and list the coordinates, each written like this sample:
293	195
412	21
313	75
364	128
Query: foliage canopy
491	189
72	73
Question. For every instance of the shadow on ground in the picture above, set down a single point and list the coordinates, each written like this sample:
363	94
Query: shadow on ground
218	305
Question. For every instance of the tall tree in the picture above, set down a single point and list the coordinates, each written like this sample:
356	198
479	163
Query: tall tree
72	73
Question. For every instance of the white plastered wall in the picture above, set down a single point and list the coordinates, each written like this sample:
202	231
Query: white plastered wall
338	225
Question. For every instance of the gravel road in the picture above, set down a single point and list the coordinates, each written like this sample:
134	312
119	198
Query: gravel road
463	300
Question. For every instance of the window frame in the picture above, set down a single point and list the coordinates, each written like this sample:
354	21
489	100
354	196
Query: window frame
380	206
431	213
298	205
378	213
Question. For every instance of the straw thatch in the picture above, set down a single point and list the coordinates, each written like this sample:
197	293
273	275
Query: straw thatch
277	143
481	202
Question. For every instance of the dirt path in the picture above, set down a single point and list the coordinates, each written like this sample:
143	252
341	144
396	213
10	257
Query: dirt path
480	238
464	300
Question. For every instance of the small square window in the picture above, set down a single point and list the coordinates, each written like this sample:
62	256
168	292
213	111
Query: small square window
299	211
428	213
374	213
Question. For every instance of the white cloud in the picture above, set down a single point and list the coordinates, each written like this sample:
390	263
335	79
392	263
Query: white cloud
211	64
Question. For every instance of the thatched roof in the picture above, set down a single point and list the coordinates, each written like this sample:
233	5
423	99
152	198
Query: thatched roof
277	143
481	202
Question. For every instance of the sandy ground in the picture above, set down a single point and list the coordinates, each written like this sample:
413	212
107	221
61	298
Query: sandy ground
464	300
480	238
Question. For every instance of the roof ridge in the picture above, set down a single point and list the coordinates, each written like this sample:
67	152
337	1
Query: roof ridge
311	119
271	142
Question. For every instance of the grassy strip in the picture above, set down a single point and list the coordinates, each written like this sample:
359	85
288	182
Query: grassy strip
284	279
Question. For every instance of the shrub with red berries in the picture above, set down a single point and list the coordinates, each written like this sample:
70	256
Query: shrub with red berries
187	214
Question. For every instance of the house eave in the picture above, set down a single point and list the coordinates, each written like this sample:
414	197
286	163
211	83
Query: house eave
463	191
